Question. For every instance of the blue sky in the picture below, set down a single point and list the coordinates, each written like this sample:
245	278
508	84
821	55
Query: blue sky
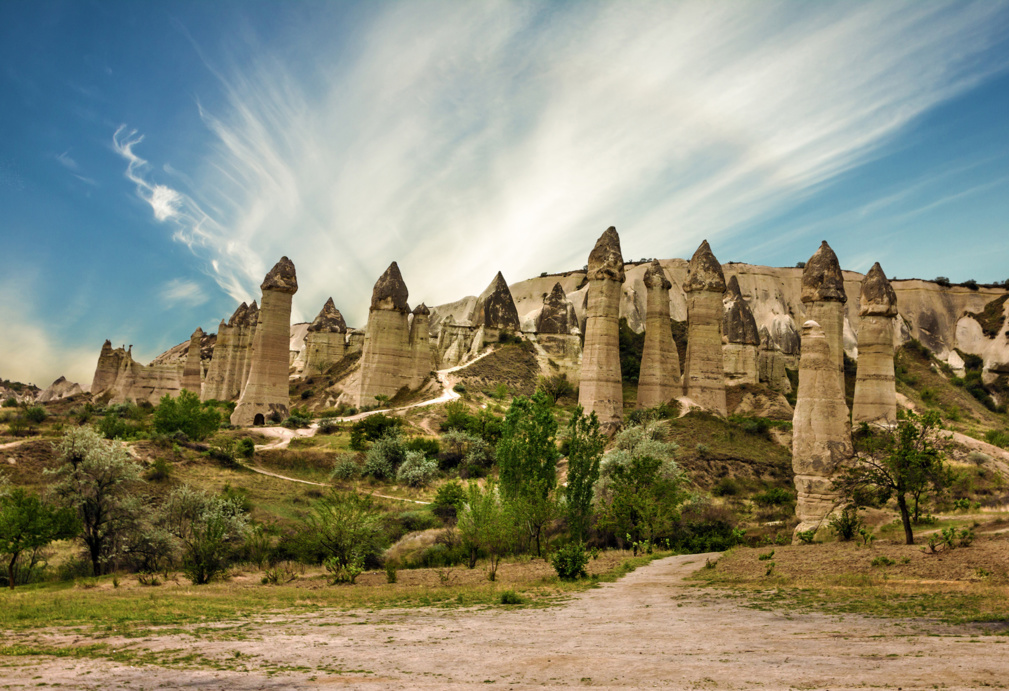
158	157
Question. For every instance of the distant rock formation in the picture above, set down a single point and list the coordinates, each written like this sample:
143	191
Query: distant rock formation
326	341
875	391
192	373
556	337
266	393
107	370
387	359
703	376
119	379
232	358
771	364
58	390
739	328
558	314
659	378
213	384
420	346
823	297
601	388
821	434
496	307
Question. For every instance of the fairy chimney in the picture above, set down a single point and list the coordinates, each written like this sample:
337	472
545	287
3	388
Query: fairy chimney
420	345
387	359
325	342
659	378
740	352
823	297
496	307
703	376
875	391
192	375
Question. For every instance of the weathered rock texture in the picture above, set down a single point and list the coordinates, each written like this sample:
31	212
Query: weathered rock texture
420	346
107	370
823	296
192	373
118	378
58	390
326	340
213	384
875	390
821	434
556	337
739	354
600	388
266	392
558	314
496	308
703	376
387	363
659	378
229	368
771	364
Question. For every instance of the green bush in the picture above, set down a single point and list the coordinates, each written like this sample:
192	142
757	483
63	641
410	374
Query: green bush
556	387
346	467
510	597
448	501
385	456
372	428
425	445
187	415
416	470
159	471
726	487
569	561
246	448
35	414
774	496
847	523
997	438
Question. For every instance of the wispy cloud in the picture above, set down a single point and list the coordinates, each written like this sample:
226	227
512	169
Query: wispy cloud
460	139
182	291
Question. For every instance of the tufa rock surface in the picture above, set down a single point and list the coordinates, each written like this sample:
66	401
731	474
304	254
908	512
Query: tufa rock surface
822	278
325	342
556	315
421	346
497	307
877	297
329	319
704	272
605	259
281	278
390	292
703	370
387	358
659	378
738	324
192	373
875	389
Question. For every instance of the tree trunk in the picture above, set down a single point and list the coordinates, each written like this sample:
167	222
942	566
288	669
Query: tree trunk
905	518
10	570
96	557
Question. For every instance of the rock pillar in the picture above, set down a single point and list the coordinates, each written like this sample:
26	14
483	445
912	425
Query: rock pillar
875	391
703	370
326	341
387	360
558	337
213	385
659	379
771	364
192	374
107	370
823	297
601	387
496	311
420	345
821	434
266	394
739	354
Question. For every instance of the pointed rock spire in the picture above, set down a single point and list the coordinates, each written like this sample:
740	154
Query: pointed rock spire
281	278
821	278
704	271
390	292
655	277
497	306
422	309
329	319
553	317
239	315
605	260
738	323
877	297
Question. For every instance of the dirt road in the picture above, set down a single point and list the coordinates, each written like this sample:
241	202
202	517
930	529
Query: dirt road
647	630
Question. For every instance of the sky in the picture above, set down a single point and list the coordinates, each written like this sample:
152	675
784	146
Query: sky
157	158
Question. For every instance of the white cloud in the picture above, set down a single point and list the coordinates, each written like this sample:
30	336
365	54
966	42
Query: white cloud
463	139
185	292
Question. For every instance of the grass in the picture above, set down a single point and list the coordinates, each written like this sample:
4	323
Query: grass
968	585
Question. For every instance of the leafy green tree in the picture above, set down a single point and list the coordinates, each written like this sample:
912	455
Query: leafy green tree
585	450
345	529
186	414
98	480
486	524
527	458
27	524
208	529
901	462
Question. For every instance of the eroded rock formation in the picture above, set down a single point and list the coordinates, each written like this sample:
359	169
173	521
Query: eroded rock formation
703	376
739	328
58	390
659	379
326	340
119	379
823	297
556	337
875	390
600	388
265	395
771	363
192	373
821	434
387	359
496	307
420	346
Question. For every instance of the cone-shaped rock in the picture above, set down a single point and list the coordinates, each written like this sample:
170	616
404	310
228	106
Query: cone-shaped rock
224	347
823	296
192	375
601	388
497	306
554	317
739	354
420	345
875	390
659	379
266	393
325	343
387	362
821	434
107	370
703	370
771	363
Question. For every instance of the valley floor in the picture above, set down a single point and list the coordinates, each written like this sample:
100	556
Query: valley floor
649	629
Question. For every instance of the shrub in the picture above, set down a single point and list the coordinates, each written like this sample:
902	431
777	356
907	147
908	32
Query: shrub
372	428
345	528
425	445
459	388
10	402
556	387
186	414
702	527
385	456
774	496
329	425
208	529
847	523
448	500
726	487
159	471
569	561
416	470
510	597
35	414
882	560
246	448
997	438
346	467
806	536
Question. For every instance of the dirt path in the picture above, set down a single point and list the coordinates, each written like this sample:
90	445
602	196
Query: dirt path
647	630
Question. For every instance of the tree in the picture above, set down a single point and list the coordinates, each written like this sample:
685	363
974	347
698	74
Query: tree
486	524
97	479
186	414
900	462
207	529
527	458
585	449
345	529
27	524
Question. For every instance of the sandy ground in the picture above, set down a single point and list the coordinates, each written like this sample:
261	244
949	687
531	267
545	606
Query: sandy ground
647	630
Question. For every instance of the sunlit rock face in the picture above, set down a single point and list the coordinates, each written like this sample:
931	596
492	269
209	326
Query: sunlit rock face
601	389
266	394
192	374
387	360
703	370
421	346
875	391
823	297
659	379
821	433
326	340
742	340
771	364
